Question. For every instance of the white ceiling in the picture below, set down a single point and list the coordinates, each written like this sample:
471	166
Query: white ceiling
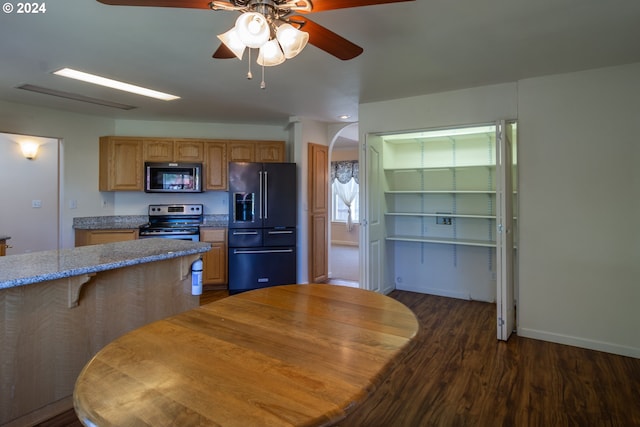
410	48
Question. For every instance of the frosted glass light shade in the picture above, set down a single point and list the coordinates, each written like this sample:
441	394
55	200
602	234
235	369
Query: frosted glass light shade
253	29
232	41
270	54
291	39
29	149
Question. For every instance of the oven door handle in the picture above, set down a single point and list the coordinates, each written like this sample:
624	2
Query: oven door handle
280	232
261	251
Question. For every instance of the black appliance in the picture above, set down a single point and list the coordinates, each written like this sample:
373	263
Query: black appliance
173	222
173	177
262	225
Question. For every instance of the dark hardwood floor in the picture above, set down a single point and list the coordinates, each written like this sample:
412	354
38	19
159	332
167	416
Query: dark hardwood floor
458	374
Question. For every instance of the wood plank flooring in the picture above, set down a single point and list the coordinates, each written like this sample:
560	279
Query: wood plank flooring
458	374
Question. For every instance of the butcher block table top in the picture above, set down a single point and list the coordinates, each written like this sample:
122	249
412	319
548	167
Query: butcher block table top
294	355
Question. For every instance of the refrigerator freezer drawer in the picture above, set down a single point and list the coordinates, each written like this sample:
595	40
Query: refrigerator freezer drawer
284	236
255	268
245	237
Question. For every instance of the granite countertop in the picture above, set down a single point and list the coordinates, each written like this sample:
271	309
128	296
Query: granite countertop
25	269
110	222
124	222
215	221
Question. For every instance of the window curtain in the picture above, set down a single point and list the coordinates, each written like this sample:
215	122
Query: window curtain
345	181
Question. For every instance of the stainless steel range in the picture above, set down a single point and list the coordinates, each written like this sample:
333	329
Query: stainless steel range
173	222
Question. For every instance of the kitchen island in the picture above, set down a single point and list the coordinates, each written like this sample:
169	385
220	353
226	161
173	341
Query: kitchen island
61	307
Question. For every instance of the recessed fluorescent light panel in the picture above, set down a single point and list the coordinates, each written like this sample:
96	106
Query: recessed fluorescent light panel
114	84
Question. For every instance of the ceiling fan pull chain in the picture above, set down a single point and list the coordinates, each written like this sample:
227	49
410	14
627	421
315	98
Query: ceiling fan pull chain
249	75
262	83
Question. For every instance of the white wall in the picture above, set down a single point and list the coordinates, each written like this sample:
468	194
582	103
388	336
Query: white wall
22	182
579	209
79	134
303	131
579	246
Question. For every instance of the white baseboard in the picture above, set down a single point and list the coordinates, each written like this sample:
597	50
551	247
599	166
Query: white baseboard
432	291
606	347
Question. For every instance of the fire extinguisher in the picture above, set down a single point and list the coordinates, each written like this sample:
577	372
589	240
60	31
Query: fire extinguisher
196	277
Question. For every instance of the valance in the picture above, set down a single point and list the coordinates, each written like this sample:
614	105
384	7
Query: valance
344	170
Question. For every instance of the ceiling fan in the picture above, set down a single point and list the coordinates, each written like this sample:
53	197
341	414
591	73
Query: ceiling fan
273	15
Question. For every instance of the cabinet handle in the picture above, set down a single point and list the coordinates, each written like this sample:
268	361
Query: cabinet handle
281	232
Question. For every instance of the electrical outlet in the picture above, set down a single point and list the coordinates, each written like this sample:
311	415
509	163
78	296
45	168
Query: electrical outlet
444	220
36	203
73	204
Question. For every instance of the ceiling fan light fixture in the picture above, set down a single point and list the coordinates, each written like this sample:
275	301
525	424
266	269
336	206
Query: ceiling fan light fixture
270	54
291	40
253	29
231	39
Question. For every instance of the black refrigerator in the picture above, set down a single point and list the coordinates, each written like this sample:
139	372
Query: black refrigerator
262	225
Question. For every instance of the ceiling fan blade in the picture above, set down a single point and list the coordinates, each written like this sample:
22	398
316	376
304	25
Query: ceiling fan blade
326	39
223	52
320	5
193	4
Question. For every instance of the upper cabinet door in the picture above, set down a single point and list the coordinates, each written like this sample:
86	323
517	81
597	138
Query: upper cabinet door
120	164
157	150
270	151
505	302
188	151
216	165
242	151
169	150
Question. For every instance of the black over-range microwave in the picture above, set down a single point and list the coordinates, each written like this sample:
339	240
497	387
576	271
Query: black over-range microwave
173	177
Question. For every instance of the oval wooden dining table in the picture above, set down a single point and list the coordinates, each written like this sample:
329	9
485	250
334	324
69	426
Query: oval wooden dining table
293	355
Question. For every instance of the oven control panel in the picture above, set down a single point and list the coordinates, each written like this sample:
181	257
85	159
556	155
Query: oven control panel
175	210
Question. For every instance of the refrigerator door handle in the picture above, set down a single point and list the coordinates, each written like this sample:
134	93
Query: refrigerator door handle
261	195
266	195
261	251
245	233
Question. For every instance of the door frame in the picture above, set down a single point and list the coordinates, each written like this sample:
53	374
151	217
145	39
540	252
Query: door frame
506	276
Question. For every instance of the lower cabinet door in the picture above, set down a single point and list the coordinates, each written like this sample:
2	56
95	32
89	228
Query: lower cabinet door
215	265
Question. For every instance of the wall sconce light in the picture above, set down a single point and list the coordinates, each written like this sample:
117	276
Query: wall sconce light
29	149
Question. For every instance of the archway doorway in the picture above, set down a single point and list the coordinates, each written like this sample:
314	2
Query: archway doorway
344	226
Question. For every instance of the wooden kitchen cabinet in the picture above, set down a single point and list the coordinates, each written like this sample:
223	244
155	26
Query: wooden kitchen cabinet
122	158
270	151
120	164
186	150
241	151
256	151
3	247
97	237
214	274
158	150
170	150
216	165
